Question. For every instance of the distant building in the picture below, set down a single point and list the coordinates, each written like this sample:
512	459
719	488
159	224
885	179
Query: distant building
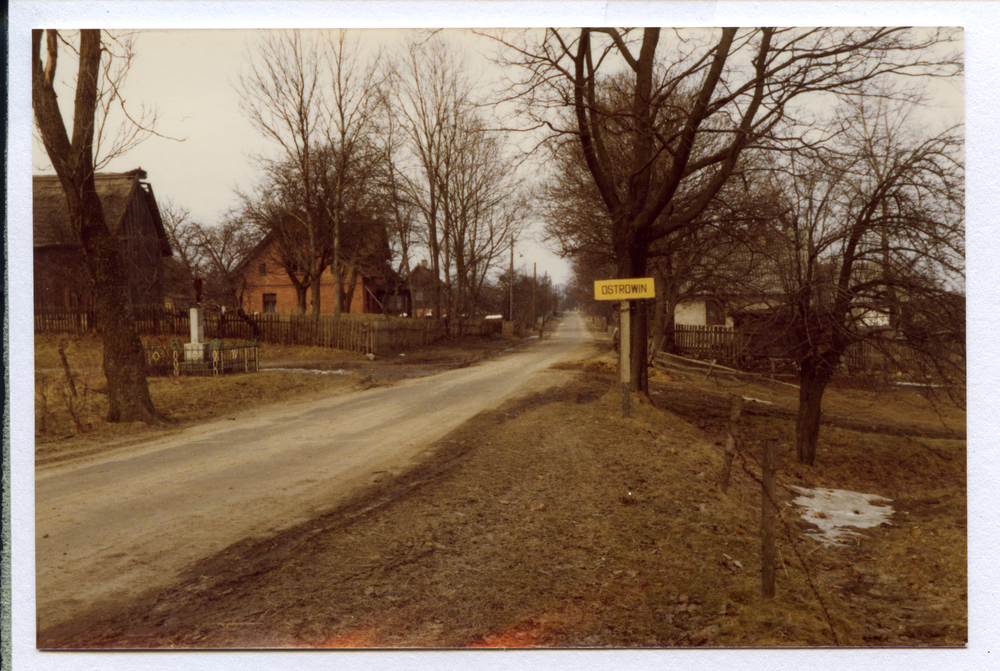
267	287
60	275
422	290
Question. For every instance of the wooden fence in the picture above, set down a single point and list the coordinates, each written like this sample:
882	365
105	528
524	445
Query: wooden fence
896	356
149	321
365	334
707	342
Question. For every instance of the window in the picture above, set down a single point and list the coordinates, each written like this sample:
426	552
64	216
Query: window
714	316
263	269
270	303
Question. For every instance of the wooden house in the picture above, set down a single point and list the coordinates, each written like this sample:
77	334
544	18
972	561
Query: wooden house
421	287
61	279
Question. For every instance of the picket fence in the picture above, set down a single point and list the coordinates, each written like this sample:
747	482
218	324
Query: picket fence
707	342
367	334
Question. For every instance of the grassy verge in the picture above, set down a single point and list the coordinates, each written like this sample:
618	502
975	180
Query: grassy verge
60	415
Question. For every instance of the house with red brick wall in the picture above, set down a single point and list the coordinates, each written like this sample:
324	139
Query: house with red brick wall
131	213
267	287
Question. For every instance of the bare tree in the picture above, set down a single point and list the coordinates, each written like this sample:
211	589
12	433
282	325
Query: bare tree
459	174
185	238
352	107
871	249
283	97
73	160
428	92
484	206
742	87
403	228
221	250
688	262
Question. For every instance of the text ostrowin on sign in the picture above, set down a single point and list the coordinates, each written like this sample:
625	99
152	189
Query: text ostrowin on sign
624	289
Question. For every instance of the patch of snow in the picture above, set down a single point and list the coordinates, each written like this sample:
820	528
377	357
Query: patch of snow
834	510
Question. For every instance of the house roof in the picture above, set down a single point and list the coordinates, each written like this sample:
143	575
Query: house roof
266	249
50	212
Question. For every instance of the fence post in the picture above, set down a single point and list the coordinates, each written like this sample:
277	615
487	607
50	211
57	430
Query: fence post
735	410
768	514
216	355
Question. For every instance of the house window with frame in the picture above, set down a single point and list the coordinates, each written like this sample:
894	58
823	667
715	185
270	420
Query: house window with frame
270	303
263	269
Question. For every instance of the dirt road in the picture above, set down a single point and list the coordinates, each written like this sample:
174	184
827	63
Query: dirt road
116	526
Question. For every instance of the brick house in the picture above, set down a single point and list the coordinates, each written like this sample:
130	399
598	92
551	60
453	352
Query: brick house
60	275
265	286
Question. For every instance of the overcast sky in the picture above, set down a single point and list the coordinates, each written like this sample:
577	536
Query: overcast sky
189	76
202	172
206	149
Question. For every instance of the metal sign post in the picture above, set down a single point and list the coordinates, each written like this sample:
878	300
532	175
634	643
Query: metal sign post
625	291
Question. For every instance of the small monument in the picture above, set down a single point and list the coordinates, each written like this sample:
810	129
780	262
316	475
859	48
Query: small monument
197	350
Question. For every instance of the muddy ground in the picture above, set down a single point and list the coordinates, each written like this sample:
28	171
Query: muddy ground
552	521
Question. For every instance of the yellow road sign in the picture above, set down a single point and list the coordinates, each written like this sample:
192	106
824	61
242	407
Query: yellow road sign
624	290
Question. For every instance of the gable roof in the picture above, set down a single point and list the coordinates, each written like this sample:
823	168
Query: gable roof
50	213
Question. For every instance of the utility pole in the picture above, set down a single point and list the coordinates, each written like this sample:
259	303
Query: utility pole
512	278
534	281
545	285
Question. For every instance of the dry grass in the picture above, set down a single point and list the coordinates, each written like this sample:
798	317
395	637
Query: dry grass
60	416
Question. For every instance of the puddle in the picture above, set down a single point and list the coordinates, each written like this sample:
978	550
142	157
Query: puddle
835	510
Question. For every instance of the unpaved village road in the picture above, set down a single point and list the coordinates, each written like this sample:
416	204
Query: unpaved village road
116	526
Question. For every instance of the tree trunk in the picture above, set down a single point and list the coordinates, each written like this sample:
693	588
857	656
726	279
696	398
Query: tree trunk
813	379
300	298
124	358
640	347
314	291
634	265
350	286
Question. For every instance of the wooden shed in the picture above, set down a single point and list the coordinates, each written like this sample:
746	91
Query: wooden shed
130	211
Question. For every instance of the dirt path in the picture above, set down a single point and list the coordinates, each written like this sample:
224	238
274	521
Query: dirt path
113	527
